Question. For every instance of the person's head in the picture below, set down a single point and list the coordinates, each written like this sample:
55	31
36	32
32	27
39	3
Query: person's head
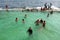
44	21
16	17
23	19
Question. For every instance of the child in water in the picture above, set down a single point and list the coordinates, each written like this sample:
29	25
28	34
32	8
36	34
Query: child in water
16	19
30	31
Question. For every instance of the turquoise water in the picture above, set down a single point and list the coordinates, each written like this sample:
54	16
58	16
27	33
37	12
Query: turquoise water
11	30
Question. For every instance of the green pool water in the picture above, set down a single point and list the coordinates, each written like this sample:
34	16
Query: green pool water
11	30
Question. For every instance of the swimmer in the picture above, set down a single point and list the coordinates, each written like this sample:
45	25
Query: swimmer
37	22
23	21
48	15
30	31
51	12
16	19
25	15
44	24
41	21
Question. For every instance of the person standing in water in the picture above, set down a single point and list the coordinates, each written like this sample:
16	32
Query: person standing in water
48	15
25	16
23	21
37	22
16	19
51	12
30	31
44	24
41	21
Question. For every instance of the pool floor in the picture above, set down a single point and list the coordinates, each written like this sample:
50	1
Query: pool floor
11	30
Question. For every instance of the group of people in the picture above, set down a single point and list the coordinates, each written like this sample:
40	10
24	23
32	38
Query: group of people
38	21
23	21
46	7
30	31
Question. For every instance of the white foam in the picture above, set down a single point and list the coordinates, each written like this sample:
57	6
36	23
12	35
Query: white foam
28	8
1	9
54	8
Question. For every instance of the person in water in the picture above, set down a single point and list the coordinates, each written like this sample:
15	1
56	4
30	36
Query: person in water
37	22
51	12
16	19
30	31
23	21
41	21
25	16
48	15
44	24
